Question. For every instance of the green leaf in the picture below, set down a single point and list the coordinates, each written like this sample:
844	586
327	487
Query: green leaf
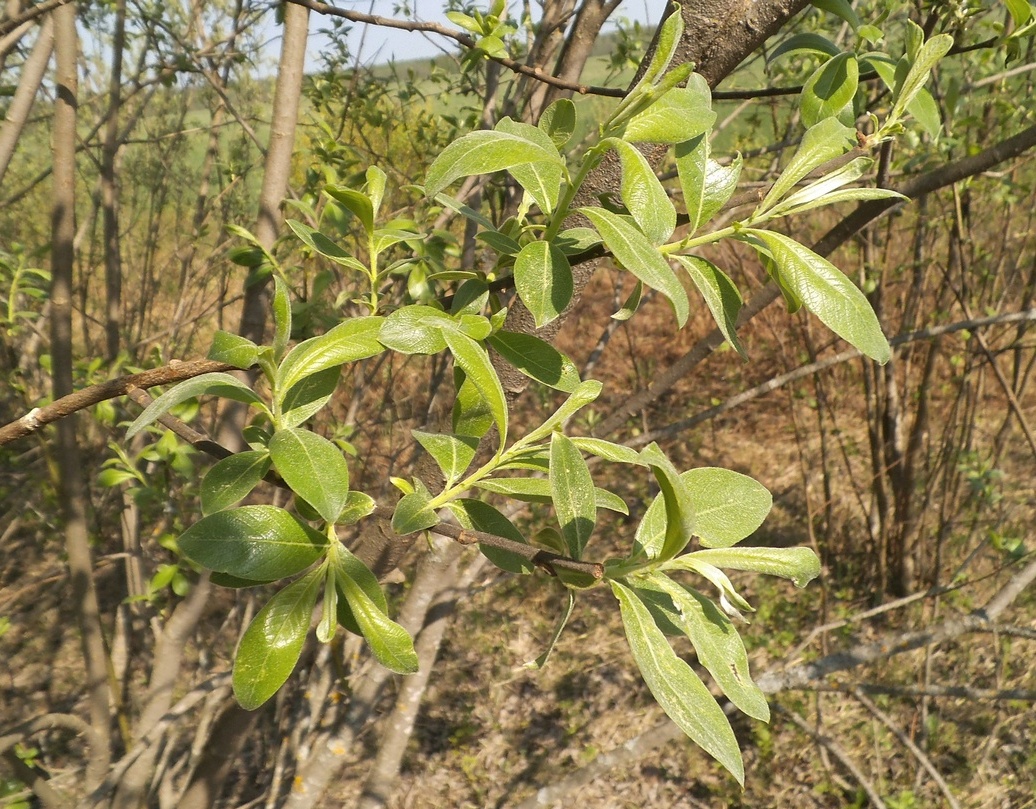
314	468
559	121
542	179
483	152
412	514
537	359
840	8
616	453
682	695
573	241
270	647
667	41
216	384
349	341
474	361
260	543
916	78
326	629
559	627
376	182
357	506
356	201
824	141
464	210
543	279
634	251
800	565
572	490
643	195
415	330
233	350
715	639
471	413
826	185
706	185
478	516
281	318
308	396
453	453
678	504
728	506
504	245
319	243
390	644
231	479
806	45
586	392
681	114
926	112
721	296
631	304
830	91
827	293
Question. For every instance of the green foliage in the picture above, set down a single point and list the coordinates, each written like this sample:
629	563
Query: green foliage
699	517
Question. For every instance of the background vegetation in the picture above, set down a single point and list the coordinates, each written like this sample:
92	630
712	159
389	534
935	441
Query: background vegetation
901	678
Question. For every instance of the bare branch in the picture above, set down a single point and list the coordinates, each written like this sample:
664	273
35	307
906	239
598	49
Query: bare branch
30	14
462	39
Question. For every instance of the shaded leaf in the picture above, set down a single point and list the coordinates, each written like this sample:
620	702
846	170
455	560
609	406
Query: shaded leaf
572	491
231	479
215	384
721	296
479	516
537	359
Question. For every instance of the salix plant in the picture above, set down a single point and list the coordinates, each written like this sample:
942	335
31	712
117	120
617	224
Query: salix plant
672	579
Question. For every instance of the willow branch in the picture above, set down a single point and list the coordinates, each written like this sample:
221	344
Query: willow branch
31	13
87	397
463	39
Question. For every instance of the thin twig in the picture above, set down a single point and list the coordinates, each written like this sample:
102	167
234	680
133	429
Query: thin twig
462	39
908	743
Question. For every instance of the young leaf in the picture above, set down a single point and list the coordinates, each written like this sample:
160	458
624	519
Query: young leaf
471	413
559	627
717	643
916	78
681	114
260	543
216	384
805	45
706	185
308	396
586	392
376	182
281	318
231	479
827	293
314	468
543	280
474	361
559	121
412	514
390	644
840	8
479	516
271	645
233	350
349	341
682	695
665	49
541	179
319	243
357	506
356	201
721	296
728	506
825	186
616	453
634	251
798	564
572	490
830	91
329	614
631	304
573	241
679	505
824	141
484	152
415	330
453	453
537	359
643	195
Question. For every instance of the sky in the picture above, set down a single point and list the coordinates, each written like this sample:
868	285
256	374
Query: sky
383	44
